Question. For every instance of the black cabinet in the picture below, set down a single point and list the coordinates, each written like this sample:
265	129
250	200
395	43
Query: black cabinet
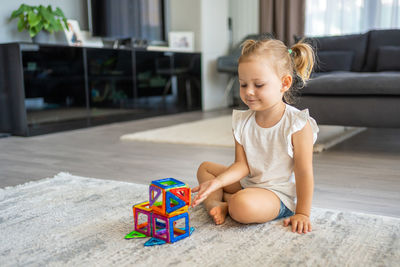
48	88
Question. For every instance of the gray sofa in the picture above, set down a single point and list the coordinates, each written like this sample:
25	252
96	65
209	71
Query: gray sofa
356	81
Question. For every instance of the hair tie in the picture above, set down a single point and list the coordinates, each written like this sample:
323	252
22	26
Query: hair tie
290	51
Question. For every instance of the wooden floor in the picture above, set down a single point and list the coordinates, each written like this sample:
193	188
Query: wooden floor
361	174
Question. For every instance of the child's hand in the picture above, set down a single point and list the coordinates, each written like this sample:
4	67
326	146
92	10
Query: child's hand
300	223
205	189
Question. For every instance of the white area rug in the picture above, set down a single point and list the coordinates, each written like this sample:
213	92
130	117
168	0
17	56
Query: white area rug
76	221
218	132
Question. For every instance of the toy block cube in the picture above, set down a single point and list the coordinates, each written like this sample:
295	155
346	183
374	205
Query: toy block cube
165	216
171	229
169	196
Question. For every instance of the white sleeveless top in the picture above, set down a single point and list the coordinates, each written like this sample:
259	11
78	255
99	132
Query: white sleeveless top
269	151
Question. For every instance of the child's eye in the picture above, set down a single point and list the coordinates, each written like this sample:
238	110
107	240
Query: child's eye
259	85
243	85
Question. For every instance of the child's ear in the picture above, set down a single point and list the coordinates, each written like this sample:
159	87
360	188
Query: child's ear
286	82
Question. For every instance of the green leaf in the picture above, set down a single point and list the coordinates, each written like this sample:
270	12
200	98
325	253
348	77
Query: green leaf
65	24
58	26
59	12
32	32
15	14
45	13
26	8
21	25
39	27
33	19
22	22
22	9
53	21
46	25
35	30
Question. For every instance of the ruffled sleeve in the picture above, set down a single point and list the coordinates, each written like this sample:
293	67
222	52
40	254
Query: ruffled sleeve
299	120
237	125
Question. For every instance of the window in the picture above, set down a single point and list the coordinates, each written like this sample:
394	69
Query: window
337	17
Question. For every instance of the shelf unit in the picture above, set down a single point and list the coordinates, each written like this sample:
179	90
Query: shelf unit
46	88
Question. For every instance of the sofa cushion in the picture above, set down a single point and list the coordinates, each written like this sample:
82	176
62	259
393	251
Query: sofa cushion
377	39
388	58
334	61
352	83
353	42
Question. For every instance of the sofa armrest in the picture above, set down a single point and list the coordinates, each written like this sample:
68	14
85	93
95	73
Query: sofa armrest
227	64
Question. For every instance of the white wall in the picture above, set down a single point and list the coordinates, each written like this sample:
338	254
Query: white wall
73	9
245	18
214	43
185	16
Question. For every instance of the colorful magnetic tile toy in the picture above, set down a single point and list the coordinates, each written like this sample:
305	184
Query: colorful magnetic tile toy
165	217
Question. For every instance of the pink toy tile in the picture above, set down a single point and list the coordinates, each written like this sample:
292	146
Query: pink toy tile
147	230
162	234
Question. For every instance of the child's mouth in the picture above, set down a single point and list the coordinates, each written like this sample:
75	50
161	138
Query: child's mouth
251	101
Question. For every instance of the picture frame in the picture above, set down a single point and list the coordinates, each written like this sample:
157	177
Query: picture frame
91	41
73	33
182	41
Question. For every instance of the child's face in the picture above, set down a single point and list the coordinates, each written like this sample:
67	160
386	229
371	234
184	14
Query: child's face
260	86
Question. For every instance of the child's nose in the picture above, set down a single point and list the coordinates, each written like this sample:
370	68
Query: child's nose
250	90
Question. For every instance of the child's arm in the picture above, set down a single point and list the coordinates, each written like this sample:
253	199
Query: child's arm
303	170
234	173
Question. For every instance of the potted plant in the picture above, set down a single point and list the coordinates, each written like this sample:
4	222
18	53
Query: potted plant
39	19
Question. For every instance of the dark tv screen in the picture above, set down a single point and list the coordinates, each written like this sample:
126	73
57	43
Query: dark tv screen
137	19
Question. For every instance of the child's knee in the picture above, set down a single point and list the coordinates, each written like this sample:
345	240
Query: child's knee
241	208
202	168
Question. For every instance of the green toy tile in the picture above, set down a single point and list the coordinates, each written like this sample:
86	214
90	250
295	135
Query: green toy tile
135	234
168	183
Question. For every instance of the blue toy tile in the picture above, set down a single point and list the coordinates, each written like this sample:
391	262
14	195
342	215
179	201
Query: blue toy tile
168	197
135	234
154	242
171	227
191	230
168	183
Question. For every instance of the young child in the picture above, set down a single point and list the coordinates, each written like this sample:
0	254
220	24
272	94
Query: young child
273	143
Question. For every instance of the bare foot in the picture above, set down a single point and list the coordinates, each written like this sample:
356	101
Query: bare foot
218	212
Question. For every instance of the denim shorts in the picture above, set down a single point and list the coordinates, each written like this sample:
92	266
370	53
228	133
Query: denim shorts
284	212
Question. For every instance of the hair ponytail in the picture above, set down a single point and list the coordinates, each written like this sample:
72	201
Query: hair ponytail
303	59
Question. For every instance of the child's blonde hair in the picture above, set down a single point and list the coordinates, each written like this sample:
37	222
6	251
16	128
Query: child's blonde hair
298	61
